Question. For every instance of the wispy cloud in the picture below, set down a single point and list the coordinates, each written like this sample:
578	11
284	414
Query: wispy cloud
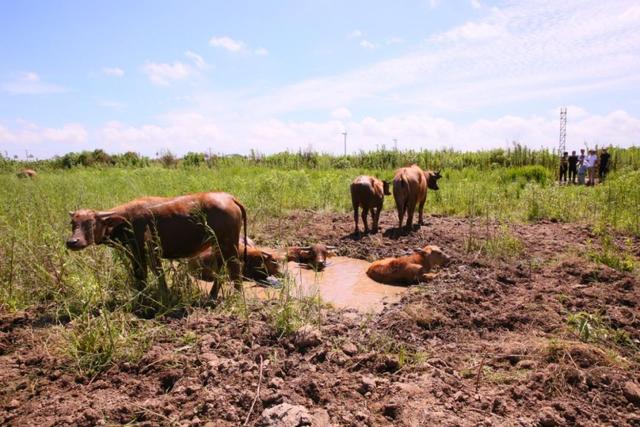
355	34
227	43
24	132
113	71
367	44
236	46
197	60
514	54
476	4
162	74
30	83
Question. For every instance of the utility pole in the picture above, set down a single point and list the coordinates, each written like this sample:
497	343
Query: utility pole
395	144
345	142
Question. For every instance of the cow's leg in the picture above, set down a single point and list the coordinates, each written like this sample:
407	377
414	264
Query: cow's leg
375	213
420	211
400	215
412	273
355	218
154	249
410	210
365	212
230	259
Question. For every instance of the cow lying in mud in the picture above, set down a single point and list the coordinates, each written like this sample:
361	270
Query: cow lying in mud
177	227
315	256
367	192
258	264
410	186
408	269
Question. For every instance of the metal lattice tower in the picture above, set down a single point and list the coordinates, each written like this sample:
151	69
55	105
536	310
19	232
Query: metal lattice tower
563	131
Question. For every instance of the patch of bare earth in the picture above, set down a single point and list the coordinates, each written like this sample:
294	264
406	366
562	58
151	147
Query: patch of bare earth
486	342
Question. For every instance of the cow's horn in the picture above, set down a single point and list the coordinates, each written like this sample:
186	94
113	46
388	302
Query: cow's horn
71	213
305	248
104	214
331	247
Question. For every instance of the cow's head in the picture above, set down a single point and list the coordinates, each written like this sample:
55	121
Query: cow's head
315	255
432	179
433	256
385	188
262	264
90	227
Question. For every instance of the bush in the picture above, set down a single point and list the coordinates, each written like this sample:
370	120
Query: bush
535	173
192	159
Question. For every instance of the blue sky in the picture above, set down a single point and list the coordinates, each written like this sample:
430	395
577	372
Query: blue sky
233	76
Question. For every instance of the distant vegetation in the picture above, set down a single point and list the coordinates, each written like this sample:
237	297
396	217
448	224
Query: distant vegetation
515	156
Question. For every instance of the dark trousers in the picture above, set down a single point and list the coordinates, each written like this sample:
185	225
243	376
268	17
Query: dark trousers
602	172
573	171
563	173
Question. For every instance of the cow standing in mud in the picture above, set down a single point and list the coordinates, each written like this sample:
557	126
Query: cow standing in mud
315	256
408	269
367	192
410	189
177	227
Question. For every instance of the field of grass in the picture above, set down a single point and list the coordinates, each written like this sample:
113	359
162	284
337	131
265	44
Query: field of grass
35	266
92	289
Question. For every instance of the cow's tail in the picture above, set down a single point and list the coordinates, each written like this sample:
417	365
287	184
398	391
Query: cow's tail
244	220
404	183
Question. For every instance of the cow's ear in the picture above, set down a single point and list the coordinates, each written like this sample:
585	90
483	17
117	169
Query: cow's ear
71	213
113	220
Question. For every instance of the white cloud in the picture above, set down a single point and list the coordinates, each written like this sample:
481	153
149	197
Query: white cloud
236	46
113	71
473	31
197	60
535	58
341	113
355	34
163	74
367	44
394	40
227	43
30	83
115	105
476	4
179	132
24	133
434	3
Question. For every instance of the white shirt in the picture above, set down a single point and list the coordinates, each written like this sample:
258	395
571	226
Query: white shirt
590	161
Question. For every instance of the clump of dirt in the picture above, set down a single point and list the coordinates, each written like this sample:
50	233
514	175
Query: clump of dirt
486	342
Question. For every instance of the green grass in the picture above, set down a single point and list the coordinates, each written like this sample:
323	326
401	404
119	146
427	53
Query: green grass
35	267
92	288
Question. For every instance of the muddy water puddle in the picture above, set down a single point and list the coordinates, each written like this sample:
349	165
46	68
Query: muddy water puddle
343	283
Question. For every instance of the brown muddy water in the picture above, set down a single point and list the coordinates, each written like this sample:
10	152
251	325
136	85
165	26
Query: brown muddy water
343	283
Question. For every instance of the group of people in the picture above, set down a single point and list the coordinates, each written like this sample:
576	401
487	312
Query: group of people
584	166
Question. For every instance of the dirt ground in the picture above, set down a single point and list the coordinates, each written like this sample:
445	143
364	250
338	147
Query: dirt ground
485	343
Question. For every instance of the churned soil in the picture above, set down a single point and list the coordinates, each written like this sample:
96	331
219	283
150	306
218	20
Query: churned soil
486	342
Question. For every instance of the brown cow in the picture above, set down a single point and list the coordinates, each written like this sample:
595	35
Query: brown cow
315	256
258	266
367	192
27	173
408	269
183	226
410	189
